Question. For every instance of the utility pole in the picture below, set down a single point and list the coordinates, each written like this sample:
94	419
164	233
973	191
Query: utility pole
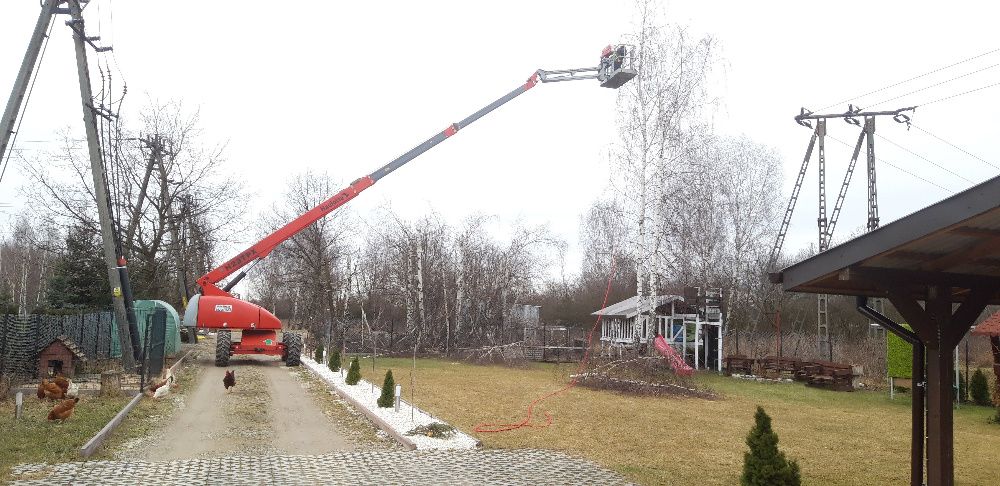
7	123
122	292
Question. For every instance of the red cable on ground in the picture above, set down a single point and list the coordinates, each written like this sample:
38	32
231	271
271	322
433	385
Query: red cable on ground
494	427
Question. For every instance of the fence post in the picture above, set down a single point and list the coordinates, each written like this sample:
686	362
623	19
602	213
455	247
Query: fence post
157	340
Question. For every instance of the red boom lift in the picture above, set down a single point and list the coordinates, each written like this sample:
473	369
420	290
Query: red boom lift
216	308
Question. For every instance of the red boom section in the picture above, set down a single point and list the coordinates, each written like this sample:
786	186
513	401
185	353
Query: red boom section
264	247
267	245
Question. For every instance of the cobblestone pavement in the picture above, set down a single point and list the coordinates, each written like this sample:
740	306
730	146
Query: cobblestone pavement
429	467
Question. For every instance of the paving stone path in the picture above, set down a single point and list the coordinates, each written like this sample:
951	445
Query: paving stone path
430	467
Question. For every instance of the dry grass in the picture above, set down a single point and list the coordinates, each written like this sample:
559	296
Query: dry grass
34	439
837	437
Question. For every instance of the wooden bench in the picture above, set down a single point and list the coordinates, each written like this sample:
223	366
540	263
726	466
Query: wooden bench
738	364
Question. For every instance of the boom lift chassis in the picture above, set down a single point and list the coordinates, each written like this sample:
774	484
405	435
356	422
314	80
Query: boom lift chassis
215	308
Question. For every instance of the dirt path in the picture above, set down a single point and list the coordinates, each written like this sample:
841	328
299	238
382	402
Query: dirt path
300	426
268	412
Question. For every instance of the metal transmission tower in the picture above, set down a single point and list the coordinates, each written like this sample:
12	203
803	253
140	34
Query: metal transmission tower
825	225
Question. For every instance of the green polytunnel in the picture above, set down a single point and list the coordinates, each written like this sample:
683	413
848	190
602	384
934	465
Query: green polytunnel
143	315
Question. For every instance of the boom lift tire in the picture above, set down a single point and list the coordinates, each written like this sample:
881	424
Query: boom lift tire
223	347
293	349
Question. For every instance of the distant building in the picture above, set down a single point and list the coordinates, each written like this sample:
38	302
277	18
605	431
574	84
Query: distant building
692	325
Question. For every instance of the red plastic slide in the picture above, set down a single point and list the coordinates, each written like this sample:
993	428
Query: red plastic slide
675	360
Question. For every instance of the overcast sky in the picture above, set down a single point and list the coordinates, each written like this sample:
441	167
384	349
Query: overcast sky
345	87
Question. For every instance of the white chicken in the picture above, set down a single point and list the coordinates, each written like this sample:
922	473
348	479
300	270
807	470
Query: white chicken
73	391
163	390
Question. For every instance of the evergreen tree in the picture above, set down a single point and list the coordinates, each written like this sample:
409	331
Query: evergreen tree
388	391
764	464
334	363
354	372
319	354
79	279
979	388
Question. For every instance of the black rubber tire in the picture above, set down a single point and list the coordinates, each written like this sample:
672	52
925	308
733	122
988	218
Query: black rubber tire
223	348
284	340
293	349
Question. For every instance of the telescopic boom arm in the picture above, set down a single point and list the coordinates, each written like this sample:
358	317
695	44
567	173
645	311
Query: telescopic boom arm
614	70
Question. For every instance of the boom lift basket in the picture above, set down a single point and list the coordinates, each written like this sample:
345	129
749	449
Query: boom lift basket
617	66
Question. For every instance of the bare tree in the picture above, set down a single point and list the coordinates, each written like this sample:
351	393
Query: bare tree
171	199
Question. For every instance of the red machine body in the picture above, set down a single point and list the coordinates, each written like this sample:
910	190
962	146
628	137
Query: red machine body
216	308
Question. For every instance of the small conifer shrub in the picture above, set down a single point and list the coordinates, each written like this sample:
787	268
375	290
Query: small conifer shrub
388	391
764	464
334	363
354	372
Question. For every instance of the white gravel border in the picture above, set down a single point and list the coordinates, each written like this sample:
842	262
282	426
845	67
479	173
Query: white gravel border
400	422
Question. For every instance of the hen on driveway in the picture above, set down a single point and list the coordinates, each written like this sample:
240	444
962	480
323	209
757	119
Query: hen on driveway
229	380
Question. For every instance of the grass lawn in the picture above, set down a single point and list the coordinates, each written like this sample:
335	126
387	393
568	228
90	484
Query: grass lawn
35	439
837	437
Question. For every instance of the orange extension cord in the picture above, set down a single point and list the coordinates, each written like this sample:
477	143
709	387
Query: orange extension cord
492	428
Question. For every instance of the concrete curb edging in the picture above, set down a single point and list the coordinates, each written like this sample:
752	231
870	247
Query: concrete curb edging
403	440
95	442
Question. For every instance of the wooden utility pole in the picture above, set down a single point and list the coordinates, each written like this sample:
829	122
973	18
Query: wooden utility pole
125	319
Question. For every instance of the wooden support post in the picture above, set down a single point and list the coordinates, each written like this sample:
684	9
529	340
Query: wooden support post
941	330
19	405
111	384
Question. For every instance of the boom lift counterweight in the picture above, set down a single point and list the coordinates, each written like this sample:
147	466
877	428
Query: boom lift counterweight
216	308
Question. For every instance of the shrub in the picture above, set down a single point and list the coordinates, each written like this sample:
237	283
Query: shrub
334	363
354	372
318	357
963	387
979	388
899	356
764	464
388	391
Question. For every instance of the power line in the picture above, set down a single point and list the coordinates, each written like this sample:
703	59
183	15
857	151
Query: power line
961	94
935	164
956	147
933	85
894	166
27	99
910	79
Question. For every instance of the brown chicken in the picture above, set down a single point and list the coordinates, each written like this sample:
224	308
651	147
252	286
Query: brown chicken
41	388
63	410
229	380
63	383
53	391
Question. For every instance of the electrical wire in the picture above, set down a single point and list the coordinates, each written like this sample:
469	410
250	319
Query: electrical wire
956	147
27	99
935	164
961	94
911	79
894	166
933	85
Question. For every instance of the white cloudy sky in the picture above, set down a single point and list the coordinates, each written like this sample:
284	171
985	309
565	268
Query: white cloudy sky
347	86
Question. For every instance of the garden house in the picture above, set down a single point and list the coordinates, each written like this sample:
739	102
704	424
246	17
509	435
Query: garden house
692	325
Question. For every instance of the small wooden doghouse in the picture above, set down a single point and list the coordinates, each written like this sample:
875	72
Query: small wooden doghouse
60	357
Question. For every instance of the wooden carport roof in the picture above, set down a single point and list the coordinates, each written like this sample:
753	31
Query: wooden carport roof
945	254
956	241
